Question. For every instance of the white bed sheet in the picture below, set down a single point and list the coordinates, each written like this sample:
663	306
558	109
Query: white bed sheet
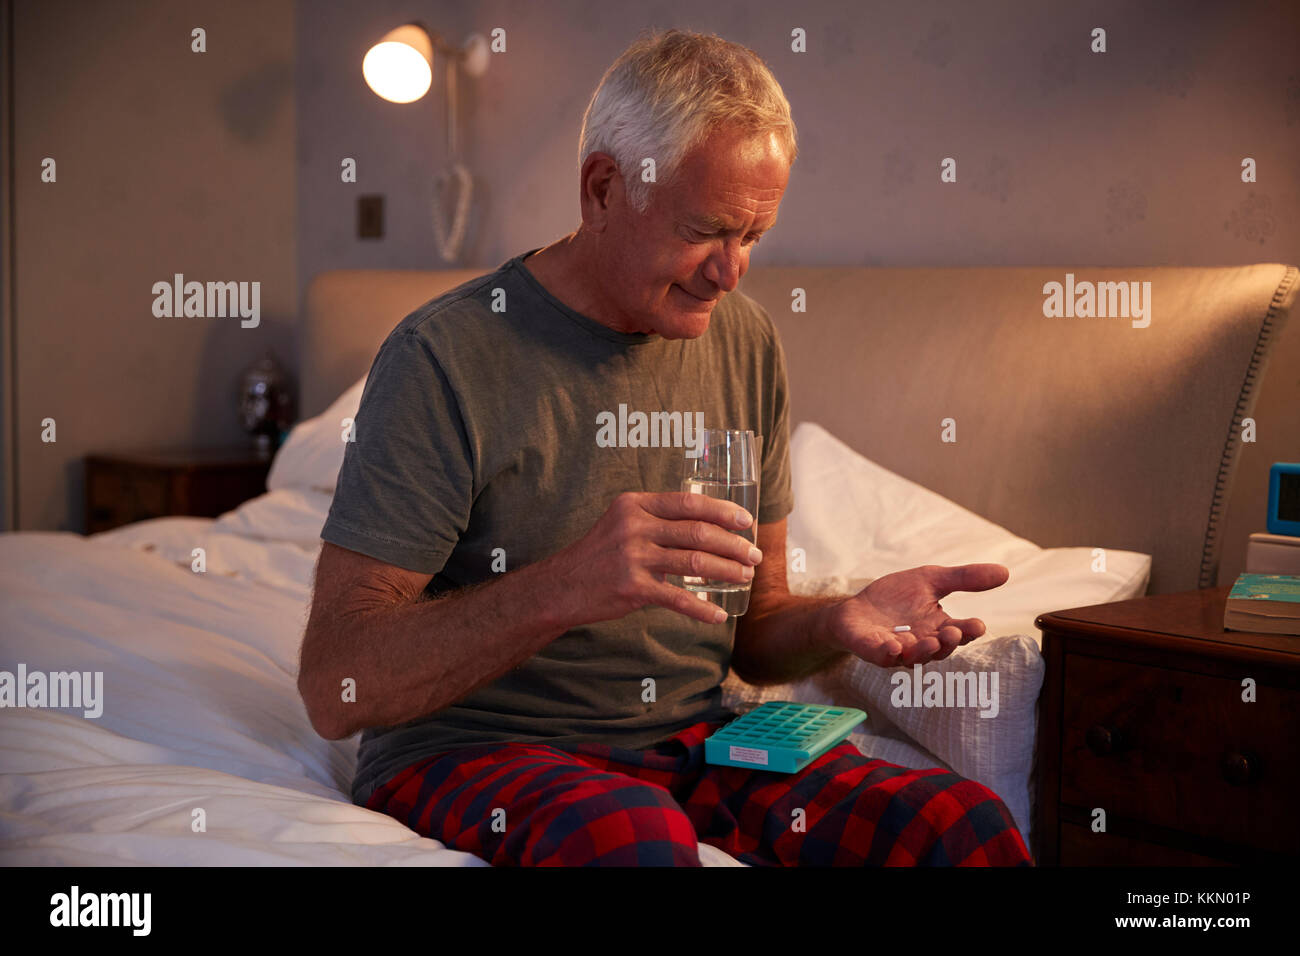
200	710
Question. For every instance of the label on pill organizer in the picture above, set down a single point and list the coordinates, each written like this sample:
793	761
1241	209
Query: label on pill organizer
748	755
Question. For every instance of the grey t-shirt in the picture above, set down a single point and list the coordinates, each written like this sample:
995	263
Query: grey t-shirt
485	436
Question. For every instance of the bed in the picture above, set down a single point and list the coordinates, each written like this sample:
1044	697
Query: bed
1073	436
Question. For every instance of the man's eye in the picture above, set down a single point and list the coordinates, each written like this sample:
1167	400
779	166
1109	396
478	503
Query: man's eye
697	236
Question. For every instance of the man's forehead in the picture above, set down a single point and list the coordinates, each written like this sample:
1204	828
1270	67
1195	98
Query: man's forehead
719	207
723	176
718	223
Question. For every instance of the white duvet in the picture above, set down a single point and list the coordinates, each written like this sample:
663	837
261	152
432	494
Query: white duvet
201	719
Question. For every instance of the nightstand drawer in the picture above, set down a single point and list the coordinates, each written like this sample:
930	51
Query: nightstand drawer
1080	846
117	496
123	487
1181	750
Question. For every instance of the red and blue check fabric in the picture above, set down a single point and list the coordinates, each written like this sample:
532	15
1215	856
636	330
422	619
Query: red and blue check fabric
597	805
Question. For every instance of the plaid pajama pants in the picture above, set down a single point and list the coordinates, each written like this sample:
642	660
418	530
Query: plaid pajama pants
596	805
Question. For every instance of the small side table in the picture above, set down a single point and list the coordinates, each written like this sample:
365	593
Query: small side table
122	487
1142	716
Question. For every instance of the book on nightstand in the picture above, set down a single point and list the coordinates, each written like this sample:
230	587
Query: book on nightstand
1265	603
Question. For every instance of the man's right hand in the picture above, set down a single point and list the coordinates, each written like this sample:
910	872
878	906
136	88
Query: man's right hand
619	565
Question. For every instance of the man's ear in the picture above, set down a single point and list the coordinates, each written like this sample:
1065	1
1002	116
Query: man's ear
599	179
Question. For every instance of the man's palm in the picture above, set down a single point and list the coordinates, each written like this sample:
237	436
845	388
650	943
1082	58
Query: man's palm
865	622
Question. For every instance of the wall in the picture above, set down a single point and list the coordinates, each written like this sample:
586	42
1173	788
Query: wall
1064	156
226	165
167	161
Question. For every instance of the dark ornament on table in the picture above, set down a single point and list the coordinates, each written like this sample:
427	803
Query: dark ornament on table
265	405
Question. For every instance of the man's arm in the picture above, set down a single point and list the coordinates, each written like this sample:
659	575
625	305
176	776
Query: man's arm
407	656
782	637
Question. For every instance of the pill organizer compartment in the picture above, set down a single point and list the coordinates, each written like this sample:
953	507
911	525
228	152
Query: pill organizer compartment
782	736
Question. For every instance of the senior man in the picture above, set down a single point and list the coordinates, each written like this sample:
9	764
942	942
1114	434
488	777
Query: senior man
491	595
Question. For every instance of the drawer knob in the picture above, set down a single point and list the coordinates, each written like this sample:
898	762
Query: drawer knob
1239	769
1102	740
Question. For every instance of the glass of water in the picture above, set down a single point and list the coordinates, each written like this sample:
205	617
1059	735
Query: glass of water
728	467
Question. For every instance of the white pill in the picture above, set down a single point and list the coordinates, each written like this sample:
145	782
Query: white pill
901	627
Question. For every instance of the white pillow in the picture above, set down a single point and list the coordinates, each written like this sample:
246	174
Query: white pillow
857	521
292	515
997	750
312	455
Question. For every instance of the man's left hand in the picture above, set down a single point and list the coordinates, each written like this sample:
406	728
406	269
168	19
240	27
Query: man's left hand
864	624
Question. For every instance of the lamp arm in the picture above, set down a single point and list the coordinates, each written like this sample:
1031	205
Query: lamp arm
453	55
451	110
439	44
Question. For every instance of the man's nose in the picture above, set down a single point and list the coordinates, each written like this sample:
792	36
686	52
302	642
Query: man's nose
725	266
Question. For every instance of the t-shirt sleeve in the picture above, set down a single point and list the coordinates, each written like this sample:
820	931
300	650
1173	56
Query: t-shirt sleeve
405	488
776	493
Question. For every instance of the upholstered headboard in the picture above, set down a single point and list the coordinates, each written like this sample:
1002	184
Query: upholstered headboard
1069	430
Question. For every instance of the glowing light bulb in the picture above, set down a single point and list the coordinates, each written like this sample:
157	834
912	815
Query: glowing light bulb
400	66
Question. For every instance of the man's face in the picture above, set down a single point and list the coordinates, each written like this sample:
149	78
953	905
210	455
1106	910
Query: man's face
667	268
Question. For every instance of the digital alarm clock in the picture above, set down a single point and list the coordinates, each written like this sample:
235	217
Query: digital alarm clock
1284	498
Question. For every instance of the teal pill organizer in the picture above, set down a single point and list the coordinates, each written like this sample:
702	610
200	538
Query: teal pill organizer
781	736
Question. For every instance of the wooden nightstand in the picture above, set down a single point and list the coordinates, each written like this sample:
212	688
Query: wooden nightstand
1142	715
133	486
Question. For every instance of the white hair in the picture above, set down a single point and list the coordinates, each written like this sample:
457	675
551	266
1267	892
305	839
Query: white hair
667	92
